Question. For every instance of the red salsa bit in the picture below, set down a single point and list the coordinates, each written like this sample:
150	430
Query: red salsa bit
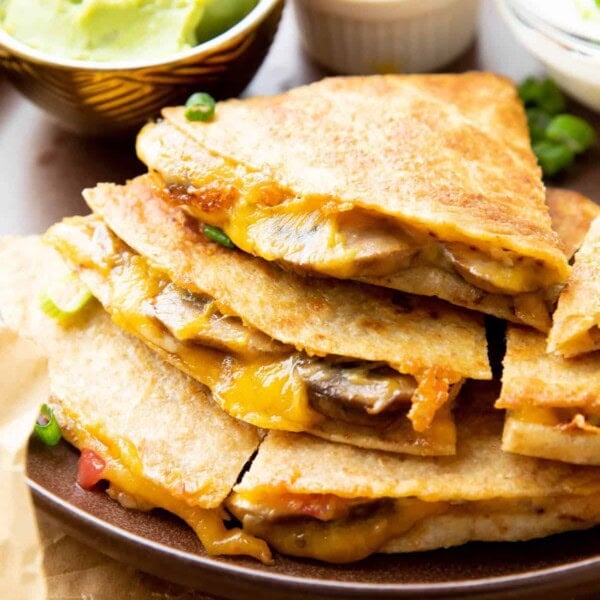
89	469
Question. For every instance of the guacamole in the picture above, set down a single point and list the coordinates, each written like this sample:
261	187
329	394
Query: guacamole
114	30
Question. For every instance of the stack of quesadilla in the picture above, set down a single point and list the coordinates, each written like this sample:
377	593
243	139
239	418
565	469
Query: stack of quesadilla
308	497
367	223
344	361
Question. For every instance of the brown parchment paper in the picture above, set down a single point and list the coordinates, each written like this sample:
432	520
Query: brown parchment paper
23	388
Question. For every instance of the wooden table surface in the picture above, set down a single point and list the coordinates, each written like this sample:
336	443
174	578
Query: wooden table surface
43	168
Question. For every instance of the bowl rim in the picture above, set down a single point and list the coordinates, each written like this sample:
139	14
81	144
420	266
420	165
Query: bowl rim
245	25
573	43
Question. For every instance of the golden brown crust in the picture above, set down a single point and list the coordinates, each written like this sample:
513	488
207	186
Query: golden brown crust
511	522
316	315
208	185
571	214
532	377
545	440
575	329
448	152
480	470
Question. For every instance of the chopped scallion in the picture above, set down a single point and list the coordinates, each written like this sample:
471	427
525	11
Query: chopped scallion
218	235
556	138
64	299
200	107
542	93
553	157
537	120
571	131
47	427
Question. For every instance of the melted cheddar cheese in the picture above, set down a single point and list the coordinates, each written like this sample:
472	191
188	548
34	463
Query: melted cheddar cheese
123	469
317	233
566	419
368	526
340	539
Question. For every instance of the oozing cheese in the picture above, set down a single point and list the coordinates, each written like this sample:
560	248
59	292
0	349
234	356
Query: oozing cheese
261	389
342	239
562	418
370	526
123	469
318	234
337	540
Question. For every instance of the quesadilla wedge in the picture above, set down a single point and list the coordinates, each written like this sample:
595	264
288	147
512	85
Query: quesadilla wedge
147	428
308	497
422	183
571	214
576	322
553	403
340	360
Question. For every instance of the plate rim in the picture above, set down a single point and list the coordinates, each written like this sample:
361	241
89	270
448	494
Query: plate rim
567	576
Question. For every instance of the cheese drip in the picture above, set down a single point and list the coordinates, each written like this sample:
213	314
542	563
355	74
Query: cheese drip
342	530
123	469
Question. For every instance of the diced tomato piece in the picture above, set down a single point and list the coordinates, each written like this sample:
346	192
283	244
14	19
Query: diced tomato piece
324	507
90	468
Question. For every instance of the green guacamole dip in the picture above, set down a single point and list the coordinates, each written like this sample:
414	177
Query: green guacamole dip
114	30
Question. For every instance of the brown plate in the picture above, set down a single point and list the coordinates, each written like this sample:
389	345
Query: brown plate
566	565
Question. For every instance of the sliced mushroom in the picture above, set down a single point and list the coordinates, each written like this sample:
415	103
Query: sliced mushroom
370	394
509	274
194	317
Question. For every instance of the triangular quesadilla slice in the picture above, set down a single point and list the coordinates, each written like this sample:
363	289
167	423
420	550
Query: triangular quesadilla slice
307	497
340	360
423	183
553	403
147	428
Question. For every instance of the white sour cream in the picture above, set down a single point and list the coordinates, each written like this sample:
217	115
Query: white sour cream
579	17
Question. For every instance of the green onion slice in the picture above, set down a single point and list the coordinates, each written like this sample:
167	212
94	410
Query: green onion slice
529	91
65	298
47	427
537	121
572	131
218	235
542	93
200	107
553	157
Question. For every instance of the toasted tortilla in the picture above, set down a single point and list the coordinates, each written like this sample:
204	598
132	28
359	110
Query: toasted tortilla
442	157
482	493
576	322
260	383
111	394
553	402
571	214
320	317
